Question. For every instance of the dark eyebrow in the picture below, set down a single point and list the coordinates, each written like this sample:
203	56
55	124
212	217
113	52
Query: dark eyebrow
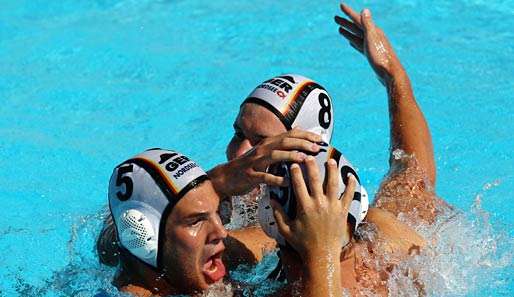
238	129
198	215
261	136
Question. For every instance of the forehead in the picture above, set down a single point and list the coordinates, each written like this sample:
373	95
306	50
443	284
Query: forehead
257	119
201	199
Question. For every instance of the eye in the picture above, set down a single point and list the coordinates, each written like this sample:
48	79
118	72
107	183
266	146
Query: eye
238	133
196	223
258	139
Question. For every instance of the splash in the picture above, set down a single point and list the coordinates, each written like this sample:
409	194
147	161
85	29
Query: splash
243	210
465	254
83	275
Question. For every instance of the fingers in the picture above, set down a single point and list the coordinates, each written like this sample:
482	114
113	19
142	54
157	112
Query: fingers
293	143
355	42
352	31
270	179
354	16
348	193
298	133
351	27
277	156
315	183
332	180
281	219
366	20
300	189
358	48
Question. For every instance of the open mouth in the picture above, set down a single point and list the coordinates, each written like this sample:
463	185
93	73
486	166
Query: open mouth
214	269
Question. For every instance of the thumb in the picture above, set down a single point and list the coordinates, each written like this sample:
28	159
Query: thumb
366	20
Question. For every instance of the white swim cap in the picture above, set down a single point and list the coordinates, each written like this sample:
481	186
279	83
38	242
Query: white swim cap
286	197
298	102
142	192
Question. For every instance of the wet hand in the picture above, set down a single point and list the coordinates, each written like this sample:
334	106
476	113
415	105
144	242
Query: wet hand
320	228
370	40
244	173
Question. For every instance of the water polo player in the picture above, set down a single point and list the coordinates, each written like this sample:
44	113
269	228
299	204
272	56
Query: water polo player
170	236
408	189
266	132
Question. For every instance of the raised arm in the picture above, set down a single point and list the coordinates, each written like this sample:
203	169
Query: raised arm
408	128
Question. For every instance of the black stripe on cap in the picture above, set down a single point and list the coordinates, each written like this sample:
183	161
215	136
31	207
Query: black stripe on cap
351	220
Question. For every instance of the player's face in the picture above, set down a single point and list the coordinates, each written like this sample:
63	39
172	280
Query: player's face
194	241
253	123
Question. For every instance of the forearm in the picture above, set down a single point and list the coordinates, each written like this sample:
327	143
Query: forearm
322	276
409	129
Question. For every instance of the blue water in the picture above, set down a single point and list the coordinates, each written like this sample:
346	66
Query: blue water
85	84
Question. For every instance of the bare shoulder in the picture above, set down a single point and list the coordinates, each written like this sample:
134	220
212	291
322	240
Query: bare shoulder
247	246
136	291
407	190
397	236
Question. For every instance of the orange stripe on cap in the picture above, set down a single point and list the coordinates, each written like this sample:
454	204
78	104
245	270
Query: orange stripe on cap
286	107
164	176
331	153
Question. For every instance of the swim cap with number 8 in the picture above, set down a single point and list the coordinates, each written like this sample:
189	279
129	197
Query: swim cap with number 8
298	102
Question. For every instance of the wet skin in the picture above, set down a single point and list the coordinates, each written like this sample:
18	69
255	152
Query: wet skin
415	176
253	124
192	249
395	235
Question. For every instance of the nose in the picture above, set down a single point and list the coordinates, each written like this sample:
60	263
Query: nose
237	147
217	232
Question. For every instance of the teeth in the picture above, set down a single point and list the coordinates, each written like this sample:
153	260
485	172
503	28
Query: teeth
213	268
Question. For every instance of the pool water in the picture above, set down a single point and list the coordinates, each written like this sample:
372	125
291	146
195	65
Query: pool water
86	84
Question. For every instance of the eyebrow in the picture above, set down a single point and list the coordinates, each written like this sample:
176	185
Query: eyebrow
257	135
261	136
197	215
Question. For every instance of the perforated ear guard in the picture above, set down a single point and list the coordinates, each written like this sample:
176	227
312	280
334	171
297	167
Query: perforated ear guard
137	234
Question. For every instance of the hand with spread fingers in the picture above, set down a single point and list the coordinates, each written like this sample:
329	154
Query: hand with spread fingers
370	40
320	228
244	173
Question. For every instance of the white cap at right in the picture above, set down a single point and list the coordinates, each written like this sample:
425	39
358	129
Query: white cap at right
298	102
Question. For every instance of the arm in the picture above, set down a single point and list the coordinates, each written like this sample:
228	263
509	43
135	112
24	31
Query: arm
246	246
320	228
395	235
408	128
242	174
